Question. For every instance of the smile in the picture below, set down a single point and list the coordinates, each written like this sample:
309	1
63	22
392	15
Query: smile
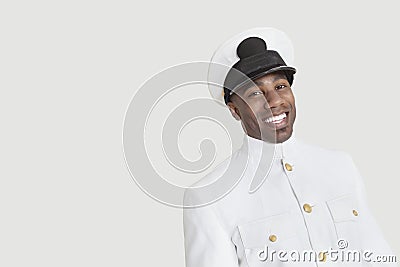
277	122
276	119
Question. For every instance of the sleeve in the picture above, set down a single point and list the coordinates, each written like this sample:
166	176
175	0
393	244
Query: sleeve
372	237
207	243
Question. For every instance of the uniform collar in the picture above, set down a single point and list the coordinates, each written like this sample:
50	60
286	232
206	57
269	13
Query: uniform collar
262	156
282	150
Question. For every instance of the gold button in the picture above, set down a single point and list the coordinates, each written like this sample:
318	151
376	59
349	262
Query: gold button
355	213
322	256
272	238
307	208
288	167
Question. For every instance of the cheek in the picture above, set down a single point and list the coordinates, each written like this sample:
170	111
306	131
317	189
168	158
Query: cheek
256	106
250	110
248	116
289	98
252	113
293	115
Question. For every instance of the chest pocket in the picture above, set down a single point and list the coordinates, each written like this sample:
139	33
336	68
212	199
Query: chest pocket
278	232
345	216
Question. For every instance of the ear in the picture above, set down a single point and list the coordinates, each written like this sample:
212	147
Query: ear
234	111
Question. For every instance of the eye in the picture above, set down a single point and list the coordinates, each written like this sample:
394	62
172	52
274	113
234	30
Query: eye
281	86
256	93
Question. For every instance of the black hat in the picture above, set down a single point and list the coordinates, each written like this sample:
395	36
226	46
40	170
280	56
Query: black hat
255	61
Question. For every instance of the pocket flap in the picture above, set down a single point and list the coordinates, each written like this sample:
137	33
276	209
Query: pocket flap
273	229
343	208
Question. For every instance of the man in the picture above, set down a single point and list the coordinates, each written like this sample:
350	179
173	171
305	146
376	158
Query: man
311	200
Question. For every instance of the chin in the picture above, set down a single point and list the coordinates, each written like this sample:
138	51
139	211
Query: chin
279	136
283	136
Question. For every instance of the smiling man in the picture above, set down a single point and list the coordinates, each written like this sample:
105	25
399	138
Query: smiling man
261	98
312	200
267	110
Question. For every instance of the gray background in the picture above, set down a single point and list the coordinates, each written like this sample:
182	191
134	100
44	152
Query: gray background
69	70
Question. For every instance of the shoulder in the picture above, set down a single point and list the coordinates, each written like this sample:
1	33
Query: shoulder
214	184
318	153
317	149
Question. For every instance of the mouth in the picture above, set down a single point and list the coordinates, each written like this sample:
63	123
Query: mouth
277	121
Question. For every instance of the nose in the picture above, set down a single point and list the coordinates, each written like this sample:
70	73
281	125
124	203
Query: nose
274	100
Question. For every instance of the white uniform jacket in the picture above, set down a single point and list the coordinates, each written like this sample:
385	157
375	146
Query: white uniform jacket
313	199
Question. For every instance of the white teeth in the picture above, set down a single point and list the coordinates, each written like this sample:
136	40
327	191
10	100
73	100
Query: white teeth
276	119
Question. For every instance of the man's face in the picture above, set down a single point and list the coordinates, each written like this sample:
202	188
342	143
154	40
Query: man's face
267	109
